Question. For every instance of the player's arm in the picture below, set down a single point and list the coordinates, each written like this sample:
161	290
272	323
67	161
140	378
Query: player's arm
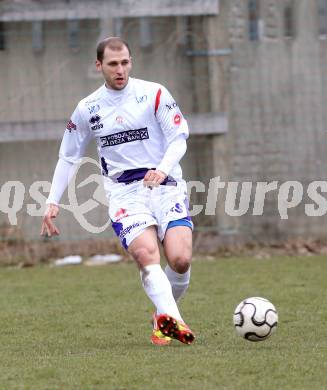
175	130
174	153
62	175
74	142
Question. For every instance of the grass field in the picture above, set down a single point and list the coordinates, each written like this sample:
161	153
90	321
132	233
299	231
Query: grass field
89	328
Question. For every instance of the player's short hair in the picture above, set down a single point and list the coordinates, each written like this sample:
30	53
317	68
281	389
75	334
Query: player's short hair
114	43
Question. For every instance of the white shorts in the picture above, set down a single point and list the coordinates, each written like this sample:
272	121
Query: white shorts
133	208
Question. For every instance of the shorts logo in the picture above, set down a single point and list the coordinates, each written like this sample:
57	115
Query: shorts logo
94	120
127	230
71	126
177	119
178	208
121	213
119	119
124	137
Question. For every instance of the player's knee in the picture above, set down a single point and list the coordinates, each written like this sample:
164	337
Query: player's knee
181	263
145	255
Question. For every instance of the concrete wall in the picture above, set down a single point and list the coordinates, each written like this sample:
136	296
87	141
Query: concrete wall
273	91
41	88
47	85
33	162
278	115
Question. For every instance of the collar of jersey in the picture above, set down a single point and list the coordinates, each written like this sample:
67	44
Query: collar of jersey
114	92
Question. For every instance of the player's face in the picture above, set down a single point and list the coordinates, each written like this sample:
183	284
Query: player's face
115	67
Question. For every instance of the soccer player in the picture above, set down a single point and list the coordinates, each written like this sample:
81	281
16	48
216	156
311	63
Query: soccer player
141	136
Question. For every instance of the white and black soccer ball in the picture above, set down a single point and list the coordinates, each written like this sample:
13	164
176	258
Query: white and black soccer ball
255	319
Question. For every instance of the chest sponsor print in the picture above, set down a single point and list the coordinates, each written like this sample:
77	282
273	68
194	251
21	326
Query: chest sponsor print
124	137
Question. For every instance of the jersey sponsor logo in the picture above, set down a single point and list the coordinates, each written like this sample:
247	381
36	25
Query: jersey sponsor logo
124	137
172	105
177	119
94	120
94	109
71	126
141	99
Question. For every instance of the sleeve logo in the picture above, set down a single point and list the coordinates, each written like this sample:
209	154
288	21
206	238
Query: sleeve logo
172	105
177	119
71	126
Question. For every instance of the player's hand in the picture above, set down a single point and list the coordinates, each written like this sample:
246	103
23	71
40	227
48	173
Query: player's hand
153	178
48	227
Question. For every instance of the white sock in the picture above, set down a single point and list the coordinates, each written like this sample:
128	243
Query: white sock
179	282
158	289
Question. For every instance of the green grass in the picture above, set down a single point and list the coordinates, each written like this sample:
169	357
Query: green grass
88	328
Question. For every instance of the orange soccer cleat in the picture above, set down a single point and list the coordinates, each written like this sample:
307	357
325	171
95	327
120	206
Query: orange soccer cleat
170	327
157	337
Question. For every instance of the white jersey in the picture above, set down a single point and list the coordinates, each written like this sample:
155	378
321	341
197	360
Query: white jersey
132	128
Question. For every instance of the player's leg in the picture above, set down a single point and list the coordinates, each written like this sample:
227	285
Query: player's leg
175	233
138	235
145	251
177	245
144	248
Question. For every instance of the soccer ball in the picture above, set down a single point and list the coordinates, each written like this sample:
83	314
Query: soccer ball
255	319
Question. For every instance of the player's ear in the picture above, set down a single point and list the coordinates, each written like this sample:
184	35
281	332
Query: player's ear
98	65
